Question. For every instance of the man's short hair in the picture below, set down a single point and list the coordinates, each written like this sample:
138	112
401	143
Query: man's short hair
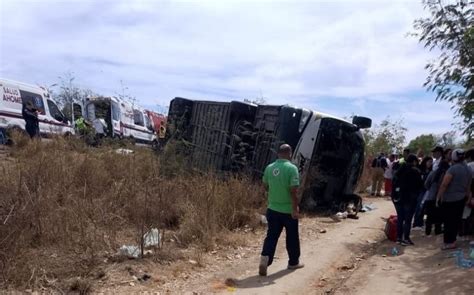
284	149
437	149
407	150
412	158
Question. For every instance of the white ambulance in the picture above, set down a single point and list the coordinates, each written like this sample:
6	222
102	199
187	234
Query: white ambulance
117	118
13	94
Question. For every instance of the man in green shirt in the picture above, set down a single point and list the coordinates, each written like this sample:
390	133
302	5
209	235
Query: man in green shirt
281	180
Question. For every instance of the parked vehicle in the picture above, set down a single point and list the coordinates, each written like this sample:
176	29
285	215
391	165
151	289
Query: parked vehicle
241	137
158	121
116	118
12	96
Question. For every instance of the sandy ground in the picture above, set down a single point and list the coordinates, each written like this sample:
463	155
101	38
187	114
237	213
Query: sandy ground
422	269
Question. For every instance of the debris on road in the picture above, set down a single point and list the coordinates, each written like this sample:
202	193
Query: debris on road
341	215
124	151
368	207
230	282
323	231
395	251
152	238
130	251
347	267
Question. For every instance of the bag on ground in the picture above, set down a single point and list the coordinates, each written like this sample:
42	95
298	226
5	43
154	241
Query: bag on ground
391	228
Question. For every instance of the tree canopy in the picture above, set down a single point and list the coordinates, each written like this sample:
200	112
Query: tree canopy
423	143
449	30
388	137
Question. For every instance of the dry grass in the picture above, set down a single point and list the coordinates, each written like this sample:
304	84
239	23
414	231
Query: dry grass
65	207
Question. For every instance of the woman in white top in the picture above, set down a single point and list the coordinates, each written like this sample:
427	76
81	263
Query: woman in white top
388	175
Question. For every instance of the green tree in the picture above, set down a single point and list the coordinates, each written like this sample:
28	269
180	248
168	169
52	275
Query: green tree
424	142
449	30
388	136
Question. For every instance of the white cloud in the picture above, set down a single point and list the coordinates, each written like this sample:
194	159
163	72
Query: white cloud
350	53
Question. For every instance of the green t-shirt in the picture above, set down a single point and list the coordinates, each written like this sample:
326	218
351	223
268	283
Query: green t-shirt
281	176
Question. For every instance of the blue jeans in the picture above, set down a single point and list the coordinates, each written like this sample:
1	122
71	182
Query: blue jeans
405	212
419	212
276	222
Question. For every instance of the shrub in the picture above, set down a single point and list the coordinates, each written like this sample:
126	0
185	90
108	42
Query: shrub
64	206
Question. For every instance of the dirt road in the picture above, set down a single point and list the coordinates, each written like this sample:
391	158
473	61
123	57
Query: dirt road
348	257
328	259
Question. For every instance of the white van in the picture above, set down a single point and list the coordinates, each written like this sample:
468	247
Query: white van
13	94
117	118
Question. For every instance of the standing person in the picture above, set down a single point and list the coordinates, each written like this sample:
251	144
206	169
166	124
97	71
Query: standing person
466	227
30	115
388	175
407	185
433	212
420	154
447	155
455	189
281	180
425	169
401	160
437	154
379	165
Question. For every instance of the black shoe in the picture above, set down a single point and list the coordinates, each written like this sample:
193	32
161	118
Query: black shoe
407	242
399	242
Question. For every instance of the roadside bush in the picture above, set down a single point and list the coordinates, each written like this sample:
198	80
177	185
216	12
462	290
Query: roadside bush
65	206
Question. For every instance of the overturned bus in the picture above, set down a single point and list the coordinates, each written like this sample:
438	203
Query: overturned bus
242	137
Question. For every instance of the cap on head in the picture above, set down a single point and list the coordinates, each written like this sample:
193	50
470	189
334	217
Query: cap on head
457	155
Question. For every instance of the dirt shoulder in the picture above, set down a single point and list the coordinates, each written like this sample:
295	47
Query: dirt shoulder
421	269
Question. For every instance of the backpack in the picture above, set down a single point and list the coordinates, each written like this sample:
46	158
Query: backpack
379	162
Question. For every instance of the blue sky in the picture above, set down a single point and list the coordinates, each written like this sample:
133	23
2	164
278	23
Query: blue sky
339	57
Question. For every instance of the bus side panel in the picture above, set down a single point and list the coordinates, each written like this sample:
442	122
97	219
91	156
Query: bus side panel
210	136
